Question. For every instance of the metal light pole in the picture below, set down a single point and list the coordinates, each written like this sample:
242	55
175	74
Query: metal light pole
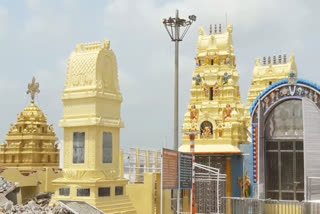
173	26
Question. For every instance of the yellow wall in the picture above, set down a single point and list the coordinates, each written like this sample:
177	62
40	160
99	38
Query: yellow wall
142	194
41	178
146	196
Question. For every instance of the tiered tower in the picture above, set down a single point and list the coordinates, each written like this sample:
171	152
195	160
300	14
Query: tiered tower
269	71
31	141
215	109
92	122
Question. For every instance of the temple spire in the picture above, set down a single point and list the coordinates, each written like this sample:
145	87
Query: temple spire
33	88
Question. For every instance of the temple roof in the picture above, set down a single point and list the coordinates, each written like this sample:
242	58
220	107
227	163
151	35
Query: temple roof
217	43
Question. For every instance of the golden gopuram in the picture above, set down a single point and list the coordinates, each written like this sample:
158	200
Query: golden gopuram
92	122
269	71
215	108
31	141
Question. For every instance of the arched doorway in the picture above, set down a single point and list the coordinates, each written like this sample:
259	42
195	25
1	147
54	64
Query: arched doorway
283	148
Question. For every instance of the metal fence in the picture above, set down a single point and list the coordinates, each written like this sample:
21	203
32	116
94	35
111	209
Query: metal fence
137	162
267	206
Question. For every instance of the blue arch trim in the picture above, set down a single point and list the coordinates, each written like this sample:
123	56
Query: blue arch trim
282	82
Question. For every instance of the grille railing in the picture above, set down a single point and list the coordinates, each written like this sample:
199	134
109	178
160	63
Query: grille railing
268	206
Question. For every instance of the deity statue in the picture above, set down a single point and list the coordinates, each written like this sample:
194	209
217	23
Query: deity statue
226	77
194	114
246	184
216	89
227	112
216	59
206	89
219	130
272	95
228	62
197	79
207	132
315	97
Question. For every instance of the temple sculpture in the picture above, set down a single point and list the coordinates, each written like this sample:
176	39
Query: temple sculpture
215	109
31	141
92	122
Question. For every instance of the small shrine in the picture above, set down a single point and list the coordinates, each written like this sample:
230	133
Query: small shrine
92	122
30	142
215	110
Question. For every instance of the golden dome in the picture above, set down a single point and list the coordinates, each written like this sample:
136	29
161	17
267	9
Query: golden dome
33	114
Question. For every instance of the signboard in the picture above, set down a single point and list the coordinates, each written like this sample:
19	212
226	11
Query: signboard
169	169
185	170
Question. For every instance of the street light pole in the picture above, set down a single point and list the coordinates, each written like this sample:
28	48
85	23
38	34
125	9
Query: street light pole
173	26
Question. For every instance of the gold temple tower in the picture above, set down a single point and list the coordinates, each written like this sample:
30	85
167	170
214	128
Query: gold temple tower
31	141
269	71
92	122
215	108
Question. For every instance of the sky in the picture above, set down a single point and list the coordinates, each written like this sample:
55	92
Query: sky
38	36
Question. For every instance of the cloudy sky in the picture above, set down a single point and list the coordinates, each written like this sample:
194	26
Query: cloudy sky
37	37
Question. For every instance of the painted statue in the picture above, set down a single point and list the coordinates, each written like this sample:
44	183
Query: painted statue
206	129
226	78
227	112
246	184
220	130
216	89
194	114
315	97
228	62
216	59
197	79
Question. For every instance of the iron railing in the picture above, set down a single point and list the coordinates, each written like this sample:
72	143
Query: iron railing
268	206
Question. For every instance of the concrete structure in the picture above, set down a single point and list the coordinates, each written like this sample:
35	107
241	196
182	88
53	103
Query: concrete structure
215	108
92	122
31	141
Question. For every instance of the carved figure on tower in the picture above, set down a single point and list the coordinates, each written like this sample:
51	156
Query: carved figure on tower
227	112
197	79
194	114
216	59
228	62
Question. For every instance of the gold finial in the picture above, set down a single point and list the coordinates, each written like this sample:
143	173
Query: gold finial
210	29
33	88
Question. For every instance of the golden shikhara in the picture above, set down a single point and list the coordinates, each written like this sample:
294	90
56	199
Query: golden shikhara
30	141
215	108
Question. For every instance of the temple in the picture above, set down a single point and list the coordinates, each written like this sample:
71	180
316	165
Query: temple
30	141
215	109
92	122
